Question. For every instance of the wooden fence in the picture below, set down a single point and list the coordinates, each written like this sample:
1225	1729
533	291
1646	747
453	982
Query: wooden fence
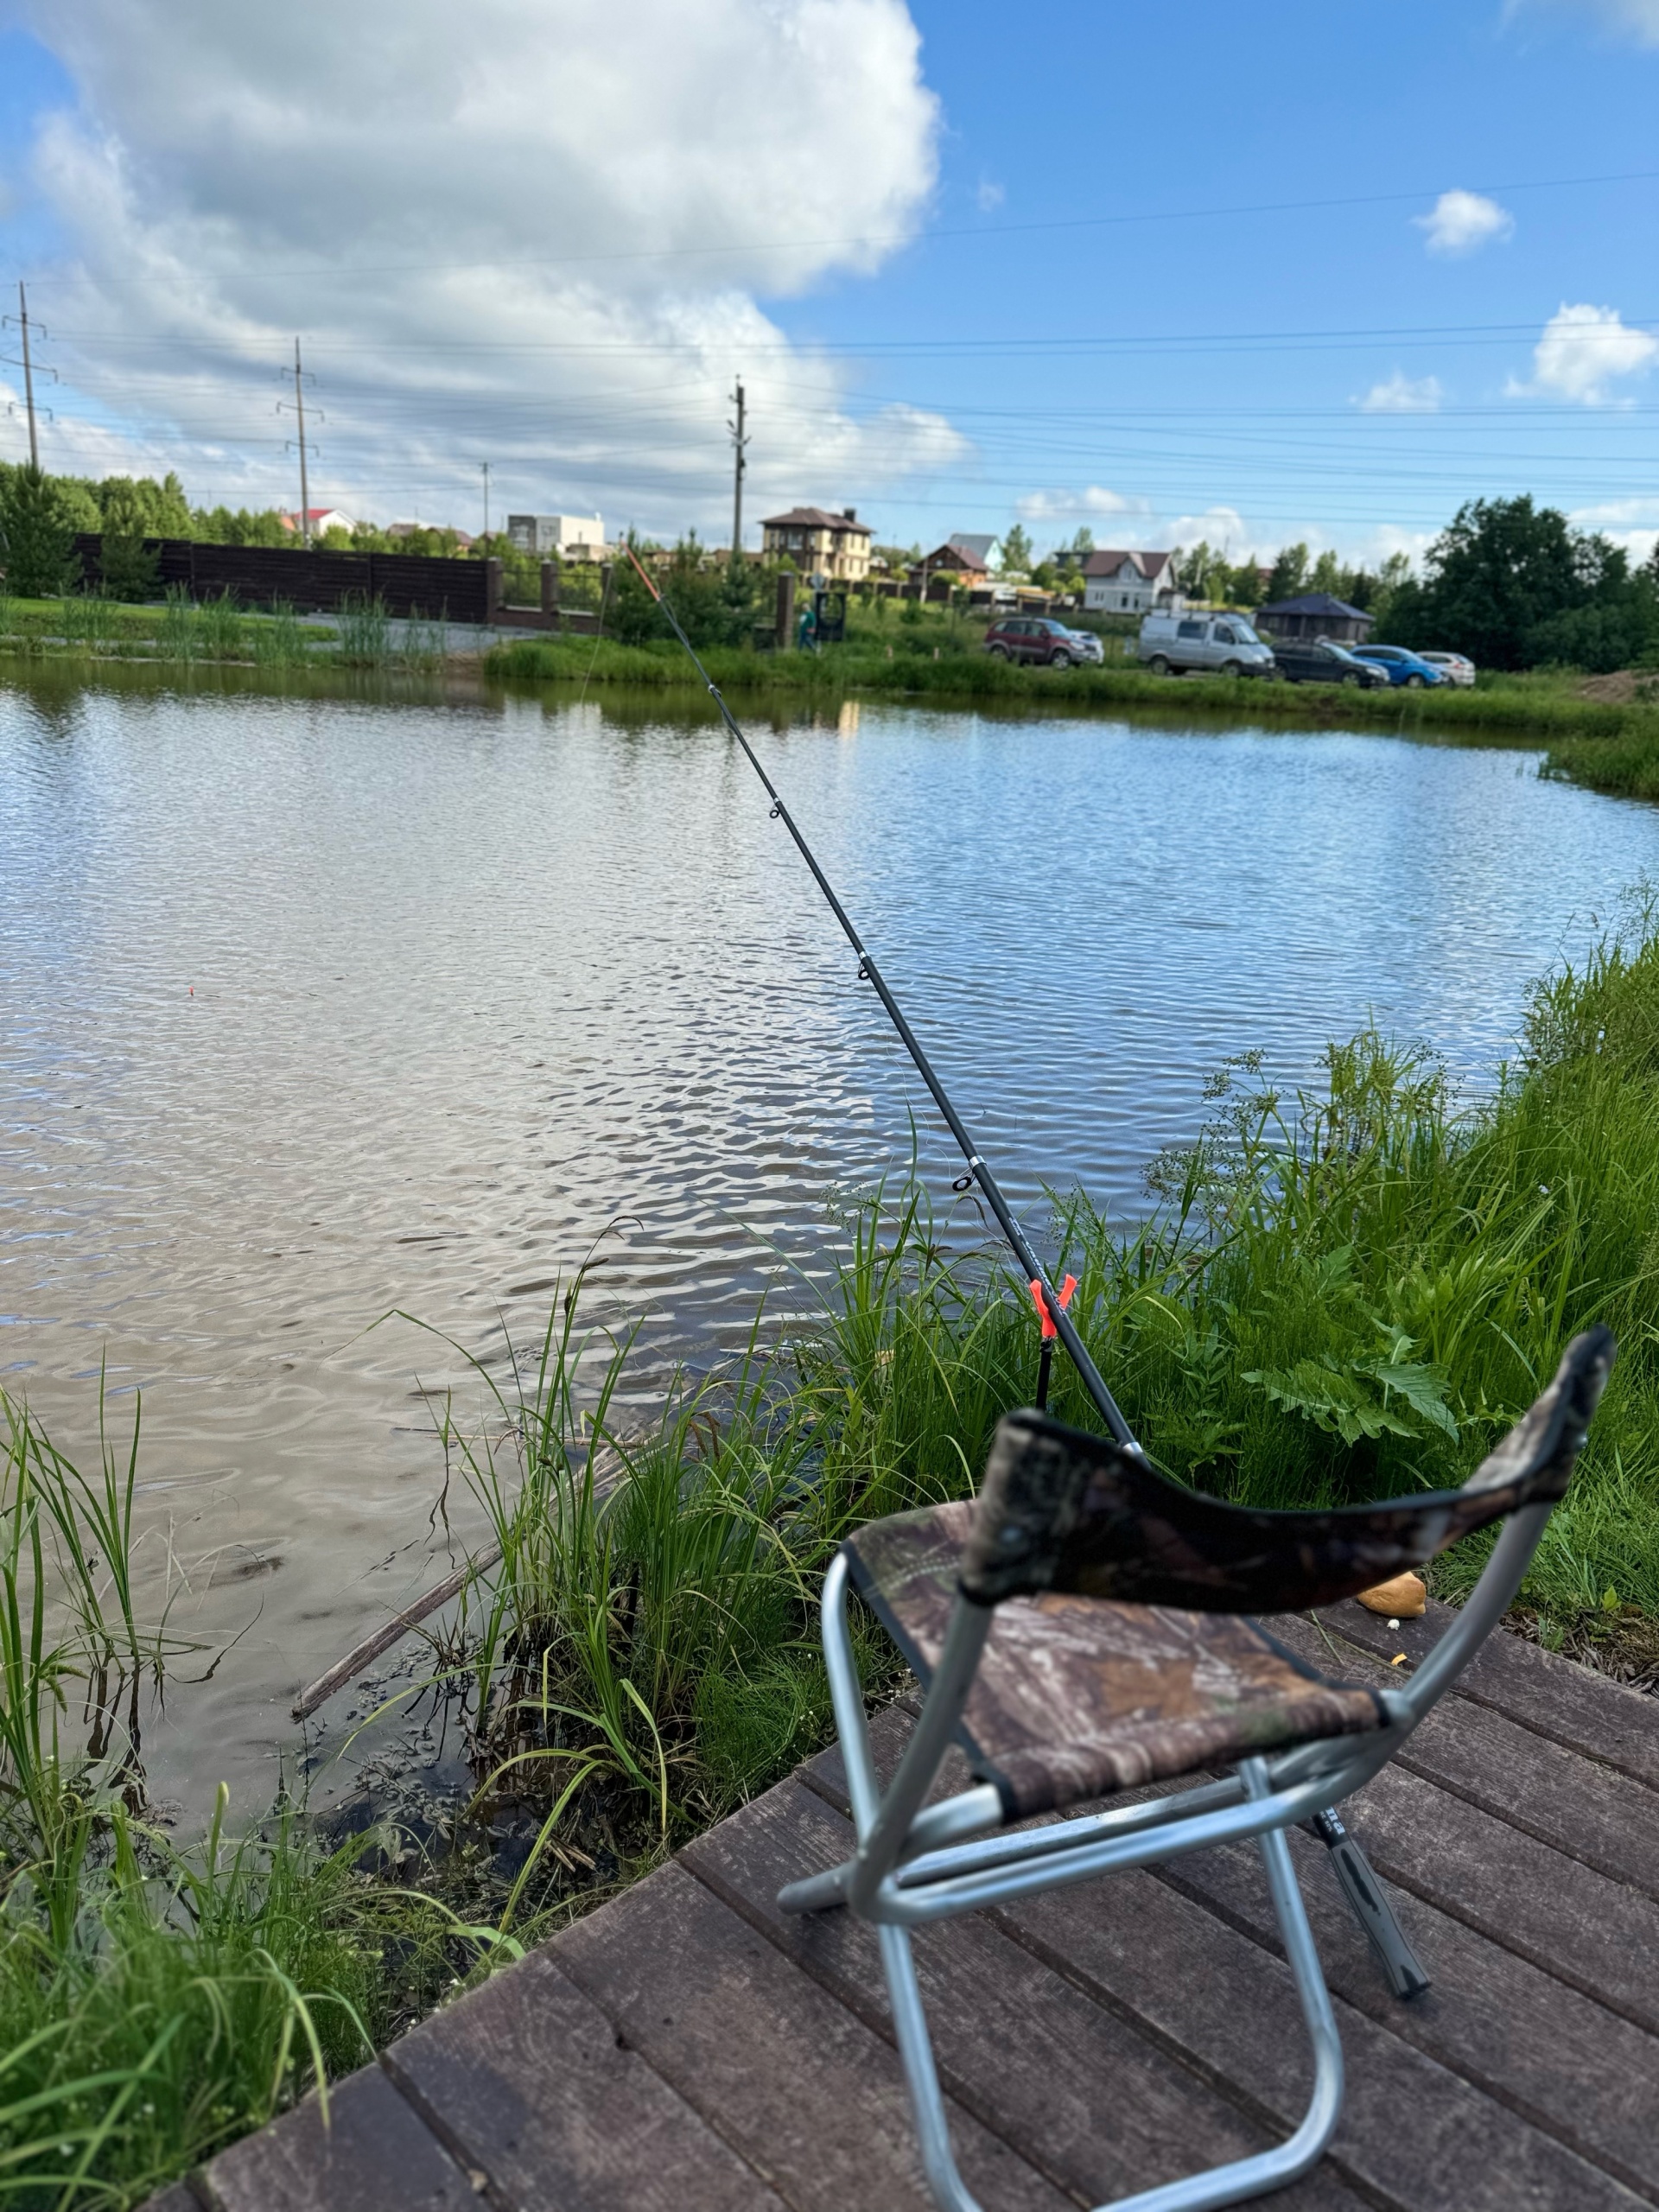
317	582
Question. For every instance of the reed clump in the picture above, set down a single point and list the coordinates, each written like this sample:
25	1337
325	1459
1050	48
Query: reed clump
156	2001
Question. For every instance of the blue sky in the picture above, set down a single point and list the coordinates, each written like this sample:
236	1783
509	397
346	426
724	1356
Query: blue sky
1166	279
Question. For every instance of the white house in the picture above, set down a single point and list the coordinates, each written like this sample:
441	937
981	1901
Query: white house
1126	583
578	538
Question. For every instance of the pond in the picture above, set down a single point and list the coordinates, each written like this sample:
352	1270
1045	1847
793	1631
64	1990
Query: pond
321	1010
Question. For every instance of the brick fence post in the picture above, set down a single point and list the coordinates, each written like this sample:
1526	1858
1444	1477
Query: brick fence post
491	589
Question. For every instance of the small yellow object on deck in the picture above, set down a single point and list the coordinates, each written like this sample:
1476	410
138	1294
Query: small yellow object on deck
1398	1659
1405	1598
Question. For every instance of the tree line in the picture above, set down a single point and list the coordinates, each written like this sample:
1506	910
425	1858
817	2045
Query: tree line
1509	583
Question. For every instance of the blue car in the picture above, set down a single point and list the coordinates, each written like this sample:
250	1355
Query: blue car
1402	667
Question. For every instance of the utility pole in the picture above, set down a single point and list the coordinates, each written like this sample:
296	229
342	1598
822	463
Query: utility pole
29	377
738	443
485	466
305	485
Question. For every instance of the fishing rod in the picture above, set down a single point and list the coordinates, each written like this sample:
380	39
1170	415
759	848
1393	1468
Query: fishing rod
1051	1303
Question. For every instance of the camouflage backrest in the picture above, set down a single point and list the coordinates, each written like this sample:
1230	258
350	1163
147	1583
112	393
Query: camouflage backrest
1061	1509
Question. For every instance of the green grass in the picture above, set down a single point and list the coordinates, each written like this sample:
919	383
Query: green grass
155	2002
1541	709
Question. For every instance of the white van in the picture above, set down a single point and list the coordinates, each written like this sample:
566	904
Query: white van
1224	643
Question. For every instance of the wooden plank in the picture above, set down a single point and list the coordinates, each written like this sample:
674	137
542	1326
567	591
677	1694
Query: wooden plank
1597	1936
1577	1805
1553	1696
525	2079
375	2155
180	2198
1412	2132
1563	2062
809	2096
1181	1984
1070	2086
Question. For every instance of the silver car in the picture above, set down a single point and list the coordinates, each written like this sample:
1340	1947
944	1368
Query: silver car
1223	645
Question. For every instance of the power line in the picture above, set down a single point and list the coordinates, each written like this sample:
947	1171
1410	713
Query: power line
925	232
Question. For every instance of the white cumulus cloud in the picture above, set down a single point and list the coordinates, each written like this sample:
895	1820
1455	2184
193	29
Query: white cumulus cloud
1463	222
531	233
1402	395
1582	354
1061	506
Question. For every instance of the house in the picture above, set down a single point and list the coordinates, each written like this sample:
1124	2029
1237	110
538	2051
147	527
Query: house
986	548
1126	582
578	538
320	518
818	542
954	558
1315	614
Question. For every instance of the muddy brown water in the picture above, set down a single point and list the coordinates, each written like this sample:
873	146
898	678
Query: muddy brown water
316	1008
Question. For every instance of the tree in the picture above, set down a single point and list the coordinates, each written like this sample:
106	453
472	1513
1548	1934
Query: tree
129	569
37	538
1016	551
1289	575
1501	571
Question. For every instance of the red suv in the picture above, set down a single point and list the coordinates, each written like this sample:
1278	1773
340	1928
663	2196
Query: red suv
1035	636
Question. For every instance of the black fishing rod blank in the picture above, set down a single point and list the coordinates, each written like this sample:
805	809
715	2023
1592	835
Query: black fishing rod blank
1051	1304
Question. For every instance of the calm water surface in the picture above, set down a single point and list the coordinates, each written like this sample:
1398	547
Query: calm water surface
315	1010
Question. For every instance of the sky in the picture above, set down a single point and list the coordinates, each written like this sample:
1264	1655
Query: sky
1308	273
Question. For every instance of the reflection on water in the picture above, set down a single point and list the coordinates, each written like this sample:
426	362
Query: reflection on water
319	1009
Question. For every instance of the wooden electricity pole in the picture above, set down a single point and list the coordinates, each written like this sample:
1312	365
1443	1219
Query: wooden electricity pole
485	466
738	443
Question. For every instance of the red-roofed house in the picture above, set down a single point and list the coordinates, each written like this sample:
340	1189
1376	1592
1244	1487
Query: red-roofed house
1126	583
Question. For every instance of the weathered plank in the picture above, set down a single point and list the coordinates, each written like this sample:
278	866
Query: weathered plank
801	2088
1577	1805
180	2198
1597	1936
1073	2088
1553	1696
526	2081
1412	2133
375	2156
1565	2064
1473	2146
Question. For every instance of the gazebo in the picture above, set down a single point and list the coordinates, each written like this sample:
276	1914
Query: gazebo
1315	614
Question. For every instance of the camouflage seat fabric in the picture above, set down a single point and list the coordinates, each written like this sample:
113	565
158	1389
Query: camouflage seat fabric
1077	1697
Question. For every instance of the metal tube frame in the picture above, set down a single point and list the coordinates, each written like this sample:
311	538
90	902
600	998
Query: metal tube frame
916	1864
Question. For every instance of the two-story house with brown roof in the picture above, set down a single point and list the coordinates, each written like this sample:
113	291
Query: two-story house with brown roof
1126	583
818	543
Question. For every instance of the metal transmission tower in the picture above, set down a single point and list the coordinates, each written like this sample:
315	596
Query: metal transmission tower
307	451
739	441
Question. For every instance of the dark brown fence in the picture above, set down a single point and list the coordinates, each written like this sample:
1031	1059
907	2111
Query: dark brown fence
317	582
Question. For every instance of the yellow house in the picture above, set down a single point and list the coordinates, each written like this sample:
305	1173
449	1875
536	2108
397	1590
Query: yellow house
820	544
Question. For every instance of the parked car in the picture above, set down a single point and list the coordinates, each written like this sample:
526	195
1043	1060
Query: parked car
1038	637
1455	668
1223	644
1321	660
1408	669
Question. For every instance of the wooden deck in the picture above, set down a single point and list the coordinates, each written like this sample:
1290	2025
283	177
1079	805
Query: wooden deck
686	2048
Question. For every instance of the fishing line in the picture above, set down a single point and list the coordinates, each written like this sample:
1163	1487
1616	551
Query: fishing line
1050	1302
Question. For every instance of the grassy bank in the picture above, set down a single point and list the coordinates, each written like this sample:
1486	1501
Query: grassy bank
1536	710
1336	1295
183	633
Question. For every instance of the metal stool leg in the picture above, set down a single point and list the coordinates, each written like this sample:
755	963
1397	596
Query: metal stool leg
1407	1977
